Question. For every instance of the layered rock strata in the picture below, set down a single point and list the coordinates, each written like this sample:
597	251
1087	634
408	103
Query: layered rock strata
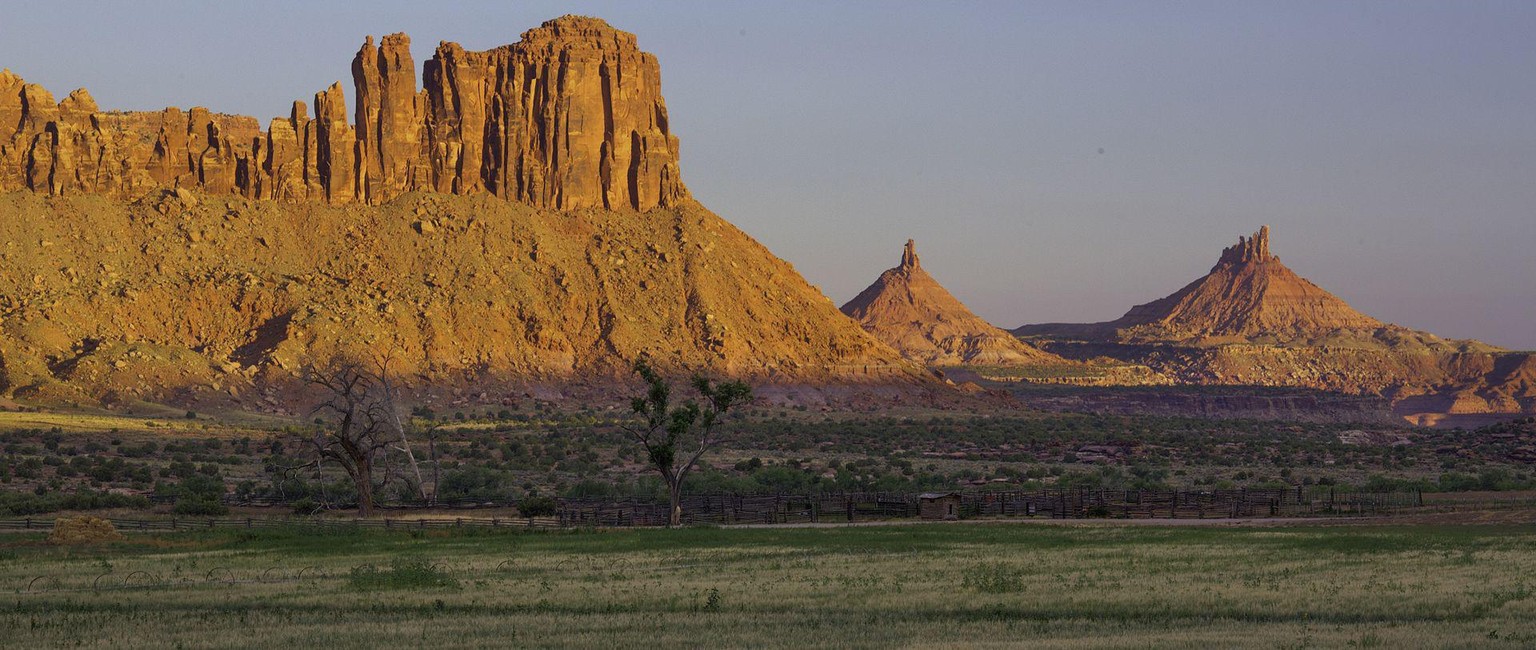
569	117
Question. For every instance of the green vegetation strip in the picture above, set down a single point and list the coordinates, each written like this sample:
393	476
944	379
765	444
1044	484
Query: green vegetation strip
1056	586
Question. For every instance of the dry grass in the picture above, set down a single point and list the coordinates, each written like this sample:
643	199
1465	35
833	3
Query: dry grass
940	586
83	530
167	425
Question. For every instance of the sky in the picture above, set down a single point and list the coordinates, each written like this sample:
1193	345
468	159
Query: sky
1056	162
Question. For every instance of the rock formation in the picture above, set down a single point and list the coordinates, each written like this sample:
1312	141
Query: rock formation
174	256
1251	320
1248	293
911	312
569	117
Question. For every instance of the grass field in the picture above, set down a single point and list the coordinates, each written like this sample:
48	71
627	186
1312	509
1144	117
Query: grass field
926	585
162	424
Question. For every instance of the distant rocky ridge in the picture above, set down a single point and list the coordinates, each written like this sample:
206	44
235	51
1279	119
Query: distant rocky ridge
912	312
1247	295
1252	320
569	117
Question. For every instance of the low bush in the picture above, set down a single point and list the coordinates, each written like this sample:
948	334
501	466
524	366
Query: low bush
20	503
537	507
406	572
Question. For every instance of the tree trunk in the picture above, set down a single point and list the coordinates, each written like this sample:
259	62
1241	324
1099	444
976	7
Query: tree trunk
432	447
363	479
675	517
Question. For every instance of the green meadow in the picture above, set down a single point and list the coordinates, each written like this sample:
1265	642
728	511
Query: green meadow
1097	585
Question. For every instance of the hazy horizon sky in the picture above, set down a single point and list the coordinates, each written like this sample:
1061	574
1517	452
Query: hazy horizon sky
1054	161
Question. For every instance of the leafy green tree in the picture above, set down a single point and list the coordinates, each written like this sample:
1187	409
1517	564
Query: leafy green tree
675	438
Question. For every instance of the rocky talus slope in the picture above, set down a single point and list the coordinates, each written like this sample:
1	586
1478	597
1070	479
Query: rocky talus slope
183	294
1252	320
912	312
520	220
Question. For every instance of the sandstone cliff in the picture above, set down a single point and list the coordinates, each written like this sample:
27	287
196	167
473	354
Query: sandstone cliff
571	116
518	220
913	313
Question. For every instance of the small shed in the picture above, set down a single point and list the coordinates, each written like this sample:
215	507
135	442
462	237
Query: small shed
939	505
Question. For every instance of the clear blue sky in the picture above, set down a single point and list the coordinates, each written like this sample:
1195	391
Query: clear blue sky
1390	145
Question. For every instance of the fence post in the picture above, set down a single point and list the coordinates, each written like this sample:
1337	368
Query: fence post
29	523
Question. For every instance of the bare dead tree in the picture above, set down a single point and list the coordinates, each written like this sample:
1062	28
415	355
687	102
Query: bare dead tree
432	433
676	438
356	428
400	425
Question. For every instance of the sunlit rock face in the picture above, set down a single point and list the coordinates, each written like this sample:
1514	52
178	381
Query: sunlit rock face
571	116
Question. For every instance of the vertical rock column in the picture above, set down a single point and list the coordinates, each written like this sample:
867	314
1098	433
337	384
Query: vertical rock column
284	164
457	85
389	119
335	146
569	117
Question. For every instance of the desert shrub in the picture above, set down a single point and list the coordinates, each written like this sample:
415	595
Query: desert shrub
20	503
304	506
200	495
537	507
83	530
473	482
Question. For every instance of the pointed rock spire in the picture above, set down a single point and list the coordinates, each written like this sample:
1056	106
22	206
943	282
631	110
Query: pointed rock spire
1248	294
1248	250
911	312
909	256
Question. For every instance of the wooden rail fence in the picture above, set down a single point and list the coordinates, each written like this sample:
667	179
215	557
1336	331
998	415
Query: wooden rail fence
843	507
